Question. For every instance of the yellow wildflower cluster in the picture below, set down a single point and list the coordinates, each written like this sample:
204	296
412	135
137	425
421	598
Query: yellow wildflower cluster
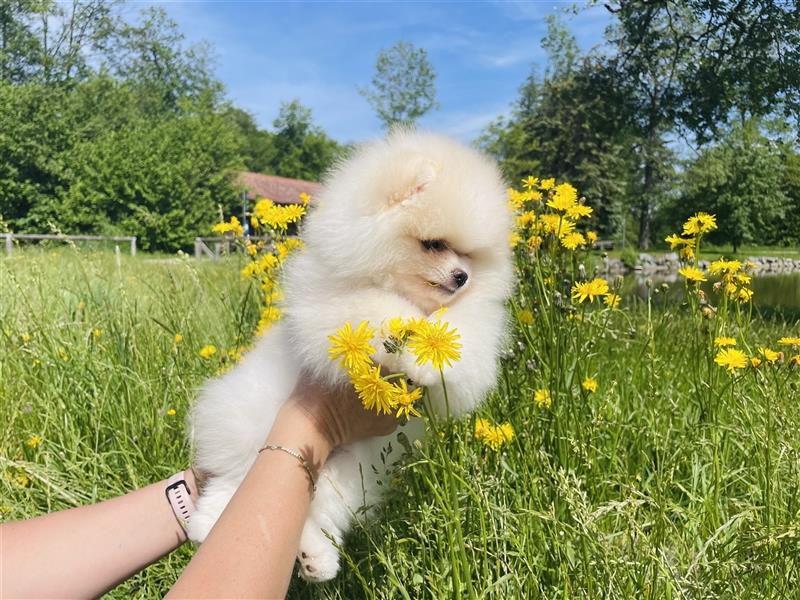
536	225
266	260
276	216
234	227
493	436
433	342
734	276
733	359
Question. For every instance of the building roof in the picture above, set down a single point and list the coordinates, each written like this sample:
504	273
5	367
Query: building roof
280	190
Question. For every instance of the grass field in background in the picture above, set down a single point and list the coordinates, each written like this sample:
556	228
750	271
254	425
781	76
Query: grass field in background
672	480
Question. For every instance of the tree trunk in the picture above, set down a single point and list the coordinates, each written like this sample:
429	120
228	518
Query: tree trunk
644	206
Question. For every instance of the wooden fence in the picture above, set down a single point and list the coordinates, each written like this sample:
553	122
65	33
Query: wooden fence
10	237
214	247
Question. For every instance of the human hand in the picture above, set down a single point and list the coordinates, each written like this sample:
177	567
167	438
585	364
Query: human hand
337	413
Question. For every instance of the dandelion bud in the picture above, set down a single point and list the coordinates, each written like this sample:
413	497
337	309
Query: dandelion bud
665	286
707	312
648	283
582	271
618	281
717	285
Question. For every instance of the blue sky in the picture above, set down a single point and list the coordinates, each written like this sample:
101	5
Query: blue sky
321	52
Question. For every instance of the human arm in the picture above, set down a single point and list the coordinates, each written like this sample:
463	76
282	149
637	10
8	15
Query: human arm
85	551
251	550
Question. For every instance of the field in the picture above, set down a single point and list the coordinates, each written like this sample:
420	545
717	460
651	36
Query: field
674	479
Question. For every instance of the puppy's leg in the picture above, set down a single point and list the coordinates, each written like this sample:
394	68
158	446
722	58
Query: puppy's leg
348	487
217	492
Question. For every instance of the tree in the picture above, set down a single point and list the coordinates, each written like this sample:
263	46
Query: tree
257	145
152	55
301	149
18	43
403	87
741	180
689	64
572	125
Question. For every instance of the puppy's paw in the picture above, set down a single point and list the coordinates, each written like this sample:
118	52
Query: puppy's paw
419	374
318	557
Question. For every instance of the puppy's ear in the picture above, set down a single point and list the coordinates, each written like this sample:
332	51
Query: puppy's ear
419	172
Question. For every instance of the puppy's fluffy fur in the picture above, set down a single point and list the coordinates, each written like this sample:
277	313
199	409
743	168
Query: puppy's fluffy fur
397	228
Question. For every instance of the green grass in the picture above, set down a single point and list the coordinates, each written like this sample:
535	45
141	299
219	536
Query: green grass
673	480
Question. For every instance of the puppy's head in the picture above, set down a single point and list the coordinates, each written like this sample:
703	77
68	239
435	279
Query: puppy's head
417	214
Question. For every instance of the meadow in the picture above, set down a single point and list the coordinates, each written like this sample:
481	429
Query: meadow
639	467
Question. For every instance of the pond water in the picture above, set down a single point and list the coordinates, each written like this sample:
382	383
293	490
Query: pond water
772	294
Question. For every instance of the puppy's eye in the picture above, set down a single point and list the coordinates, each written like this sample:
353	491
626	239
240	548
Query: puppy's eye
434	245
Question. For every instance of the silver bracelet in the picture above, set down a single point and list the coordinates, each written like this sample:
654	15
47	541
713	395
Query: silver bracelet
298	456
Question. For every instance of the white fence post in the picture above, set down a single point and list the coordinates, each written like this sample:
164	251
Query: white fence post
9	243
133	246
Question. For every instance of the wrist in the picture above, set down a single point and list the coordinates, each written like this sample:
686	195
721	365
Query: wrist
294	428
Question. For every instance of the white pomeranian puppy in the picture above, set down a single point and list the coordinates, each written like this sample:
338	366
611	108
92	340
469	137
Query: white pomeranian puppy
407	225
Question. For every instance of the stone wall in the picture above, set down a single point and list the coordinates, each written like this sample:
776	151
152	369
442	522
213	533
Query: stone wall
649	264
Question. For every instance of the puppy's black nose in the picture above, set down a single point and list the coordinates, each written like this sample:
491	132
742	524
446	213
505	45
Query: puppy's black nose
460	277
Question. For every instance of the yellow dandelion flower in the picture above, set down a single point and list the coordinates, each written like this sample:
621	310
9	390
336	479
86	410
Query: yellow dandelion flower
525	219
769	355
755	362
591	236
529	182
789	341
534	243
795	360
34	441
720	266
699	224
515	200
97	333
507	430
564	197
177	339
542	398
305	198
525	317
676	242
171	412
251	248
481	427
277	216
721	342
590	385
405	400
207	351
514	239
352	346
25	337
233	227
692	274
375	392
531	196
589	289
547	184
435	343
731	359
578	211
21	478
687	253
573	240
612	300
